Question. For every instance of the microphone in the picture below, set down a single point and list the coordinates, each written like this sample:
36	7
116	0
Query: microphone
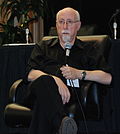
27	34
114	22
67	48
115	29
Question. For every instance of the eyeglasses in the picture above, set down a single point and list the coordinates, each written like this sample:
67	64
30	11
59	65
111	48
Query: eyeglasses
68	22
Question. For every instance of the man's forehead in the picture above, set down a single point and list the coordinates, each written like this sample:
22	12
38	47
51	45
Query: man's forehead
66	15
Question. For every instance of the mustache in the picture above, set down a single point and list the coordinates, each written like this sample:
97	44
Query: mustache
65	32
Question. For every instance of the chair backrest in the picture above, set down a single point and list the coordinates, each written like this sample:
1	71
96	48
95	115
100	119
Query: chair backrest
102	40
83	38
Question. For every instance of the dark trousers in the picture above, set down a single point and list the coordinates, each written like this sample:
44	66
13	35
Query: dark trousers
46	102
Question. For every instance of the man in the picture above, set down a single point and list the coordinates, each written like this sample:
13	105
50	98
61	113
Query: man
52	74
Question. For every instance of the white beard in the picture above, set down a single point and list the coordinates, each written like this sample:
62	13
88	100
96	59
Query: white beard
66	38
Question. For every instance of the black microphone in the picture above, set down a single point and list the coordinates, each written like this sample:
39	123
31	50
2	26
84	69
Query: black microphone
67	48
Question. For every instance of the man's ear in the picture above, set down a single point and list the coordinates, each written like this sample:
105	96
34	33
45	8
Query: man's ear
78	25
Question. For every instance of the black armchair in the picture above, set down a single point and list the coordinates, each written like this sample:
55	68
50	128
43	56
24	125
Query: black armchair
16	115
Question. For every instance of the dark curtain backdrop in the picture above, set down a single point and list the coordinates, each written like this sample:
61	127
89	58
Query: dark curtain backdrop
13	61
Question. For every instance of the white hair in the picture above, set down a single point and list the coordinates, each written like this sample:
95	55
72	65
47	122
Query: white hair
77	15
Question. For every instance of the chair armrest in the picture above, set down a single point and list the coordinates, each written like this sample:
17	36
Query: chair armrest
92	96
13	90
16	115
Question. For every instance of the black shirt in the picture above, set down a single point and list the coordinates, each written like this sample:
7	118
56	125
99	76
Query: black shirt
48	56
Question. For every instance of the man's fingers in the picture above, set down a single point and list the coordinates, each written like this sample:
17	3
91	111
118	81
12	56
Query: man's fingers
65	95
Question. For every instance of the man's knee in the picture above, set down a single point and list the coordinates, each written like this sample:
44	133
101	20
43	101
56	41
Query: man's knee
41	81
44	78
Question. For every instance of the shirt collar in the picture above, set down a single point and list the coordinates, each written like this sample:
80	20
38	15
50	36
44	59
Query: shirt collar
78	42
54	42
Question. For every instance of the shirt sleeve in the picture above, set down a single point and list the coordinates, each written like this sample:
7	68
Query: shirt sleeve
35	61
41	60
96	59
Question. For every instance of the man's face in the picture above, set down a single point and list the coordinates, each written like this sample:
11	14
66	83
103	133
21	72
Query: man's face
67	26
